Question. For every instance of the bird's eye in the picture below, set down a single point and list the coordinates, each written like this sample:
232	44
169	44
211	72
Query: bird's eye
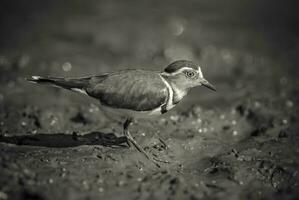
190	74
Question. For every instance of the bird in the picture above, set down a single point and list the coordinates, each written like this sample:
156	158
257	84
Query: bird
136	93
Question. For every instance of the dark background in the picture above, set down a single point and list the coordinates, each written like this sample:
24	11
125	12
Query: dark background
238	143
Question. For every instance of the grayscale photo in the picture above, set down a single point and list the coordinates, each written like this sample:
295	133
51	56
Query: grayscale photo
149	100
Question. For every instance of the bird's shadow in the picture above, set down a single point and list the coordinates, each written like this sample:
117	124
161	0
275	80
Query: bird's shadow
61	140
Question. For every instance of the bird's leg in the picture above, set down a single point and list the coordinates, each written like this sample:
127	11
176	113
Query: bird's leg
126	130
131	139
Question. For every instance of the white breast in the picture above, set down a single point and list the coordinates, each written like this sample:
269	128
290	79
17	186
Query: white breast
169	104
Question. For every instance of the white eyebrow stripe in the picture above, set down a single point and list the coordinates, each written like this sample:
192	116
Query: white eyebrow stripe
200	72
177	72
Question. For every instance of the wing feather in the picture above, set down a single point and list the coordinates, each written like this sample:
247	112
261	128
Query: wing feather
130	89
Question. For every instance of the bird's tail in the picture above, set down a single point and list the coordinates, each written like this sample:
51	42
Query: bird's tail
77	85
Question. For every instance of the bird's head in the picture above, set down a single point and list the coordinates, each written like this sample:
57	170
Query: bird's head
186	74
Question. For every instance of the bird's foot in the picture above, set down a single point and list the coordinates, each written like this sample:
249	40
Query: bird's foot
164	145
128	143
162	161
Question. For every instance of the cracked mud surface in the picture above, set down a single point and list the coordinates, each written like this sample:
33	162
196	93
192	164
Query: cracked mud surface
239	143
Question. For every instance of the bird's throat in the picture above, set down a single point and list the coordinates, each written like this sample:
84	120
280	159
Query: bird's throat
178	93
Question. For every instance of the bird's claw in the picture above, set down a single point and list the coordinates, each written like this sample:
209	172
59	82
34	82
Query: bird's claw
162	161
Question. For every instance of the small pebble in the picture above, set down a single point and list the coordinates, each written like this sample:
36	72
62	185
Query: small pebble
257	104
93	108
289	103
62	175
233	112
53	121
100	180
101	189
235	133
162	120
67	67
121	183
174	118
3	196
139	179
85	184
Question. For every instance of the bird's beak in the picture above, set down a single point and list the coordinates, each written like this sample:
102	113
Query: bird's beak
206	83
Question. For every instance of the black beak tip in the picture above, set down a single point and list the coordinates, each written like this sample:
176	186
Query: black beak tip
212	88
209	85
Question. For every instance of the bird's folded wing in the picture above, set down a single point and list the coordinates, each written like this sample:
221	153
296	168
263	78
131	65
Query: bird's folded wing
131	89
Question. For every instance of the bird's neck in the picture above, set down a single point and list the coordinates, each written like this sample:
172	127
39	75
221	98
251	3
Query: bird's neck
178	92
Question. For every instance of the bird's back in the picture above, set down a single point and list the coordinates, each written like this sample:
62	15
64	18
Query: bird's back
137	90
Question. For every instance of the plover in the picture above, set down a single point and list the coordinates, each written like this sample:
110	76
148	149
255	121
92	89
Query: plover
136	93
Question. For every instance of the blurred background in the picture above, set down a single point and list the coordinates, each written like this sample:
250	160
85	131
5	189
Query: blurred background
234	41
238	143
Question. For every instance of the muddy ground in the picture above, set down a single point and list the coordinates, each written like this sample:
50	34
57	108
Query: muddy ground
239	143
